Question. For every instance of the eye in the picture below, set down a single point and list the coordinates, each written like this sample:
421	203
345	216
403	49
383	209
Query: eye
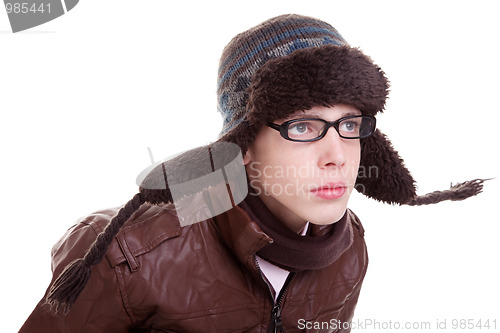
350	126
299	128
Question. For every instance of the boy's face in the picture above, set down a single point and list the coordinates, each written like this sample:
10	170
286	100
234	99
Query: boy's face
305	181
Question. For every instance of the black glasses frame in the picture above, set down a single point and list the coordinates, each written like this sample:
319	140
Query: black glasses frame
283	128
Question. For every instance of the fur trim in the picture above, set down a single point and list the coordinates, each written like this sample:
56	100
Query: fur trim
382	173
326	75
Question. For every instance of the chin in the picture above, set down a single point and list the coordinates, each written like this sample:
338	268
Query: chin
327	216
328	212
331	219
324	212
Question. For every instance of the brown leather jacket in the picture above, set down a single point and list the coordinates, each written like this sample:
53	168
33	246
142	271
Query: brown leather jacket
161	277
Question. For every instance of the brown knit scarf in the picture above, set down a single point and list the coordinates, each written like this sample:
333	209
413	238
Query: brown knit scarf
292	251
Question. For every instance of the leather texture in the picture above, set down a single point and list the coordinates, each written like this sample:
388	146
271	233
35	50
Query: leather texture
160	277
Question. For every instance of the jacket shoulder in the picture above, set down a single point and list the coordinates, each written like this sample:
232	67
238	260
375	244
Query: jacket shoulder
148	227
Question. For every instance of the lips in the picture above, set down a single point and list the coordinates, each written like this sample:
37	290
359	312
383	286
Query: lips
330	191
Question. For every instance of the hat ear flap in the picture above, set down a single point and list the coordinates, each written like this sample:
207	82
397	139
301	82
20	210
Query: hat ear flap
382	174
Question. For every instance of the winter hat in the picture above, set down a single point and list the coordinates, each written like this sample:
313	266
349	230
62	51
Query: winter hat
293	62
285	64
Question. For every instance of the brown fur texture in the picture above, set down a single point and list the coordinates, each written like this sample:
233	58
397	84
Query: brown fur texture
382	175
457	192
326	75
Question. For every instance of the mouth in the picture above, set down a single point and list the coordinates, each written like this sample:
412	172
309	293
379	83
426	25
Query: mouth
330	191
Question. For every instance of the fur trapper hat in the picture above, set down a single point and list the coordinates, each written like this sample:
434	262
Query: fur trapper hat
293	62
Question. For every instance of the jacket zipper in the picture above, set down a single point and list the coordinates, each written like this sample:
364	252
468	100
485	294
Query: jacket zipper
276	321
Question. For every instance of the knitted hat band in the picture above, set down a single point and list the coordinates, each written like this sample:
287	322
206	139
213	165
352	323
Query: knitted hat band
250	50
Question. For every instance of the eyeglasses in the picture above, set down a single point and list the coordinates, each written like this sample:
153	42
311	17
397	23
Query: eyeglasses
313	129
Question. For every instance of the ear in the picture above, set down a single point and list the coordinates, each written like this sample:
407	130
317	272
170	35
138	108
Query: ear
248	157
382	174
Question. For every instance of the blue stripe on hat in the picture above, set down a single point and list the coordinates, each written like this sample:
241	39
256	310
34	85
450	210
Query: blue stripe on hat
276	26
260	47
225	129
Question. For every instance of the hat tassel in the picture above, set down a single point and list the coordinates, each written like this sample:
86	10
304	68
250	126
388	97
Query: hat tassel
457	192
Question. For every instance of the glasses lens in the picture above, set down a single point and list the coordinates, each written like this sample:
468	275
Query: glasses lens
367	127
305	129
356	127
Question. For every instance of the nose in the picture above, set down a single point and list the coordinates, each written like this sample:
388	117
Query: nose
331	149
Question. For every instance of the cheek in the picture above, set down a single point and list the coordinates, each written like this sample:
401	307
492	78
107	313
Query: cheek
356	154
269	151
353	159
269	174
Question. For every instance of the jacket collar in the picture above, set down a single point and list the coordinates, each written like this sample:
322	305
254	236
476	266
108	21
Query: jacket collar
242	235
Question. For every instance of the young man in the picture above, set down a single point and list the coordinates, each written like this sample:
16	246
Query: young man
300	104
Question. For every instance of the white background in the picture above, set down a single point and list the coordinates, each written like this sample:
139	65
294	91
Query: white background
83	96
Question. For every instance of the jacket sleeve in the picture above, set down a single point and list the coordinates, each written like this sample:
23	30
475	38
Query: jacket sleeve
99	308
348	310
